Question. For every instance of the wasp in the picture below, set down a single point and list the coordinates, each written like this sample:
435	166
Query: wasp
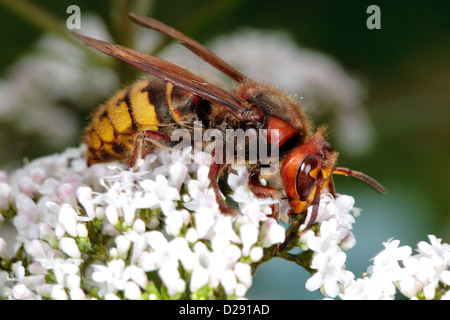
139	118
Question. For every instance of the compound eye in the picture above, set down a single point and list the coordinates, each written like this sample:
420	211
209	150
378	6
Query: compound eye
307	176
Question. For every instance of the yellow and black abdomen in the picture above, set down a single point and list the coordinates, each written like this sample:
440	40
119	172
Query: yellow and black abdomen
148	104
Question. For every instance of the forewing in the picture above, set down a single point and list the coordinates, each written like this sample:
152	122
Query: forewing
172	73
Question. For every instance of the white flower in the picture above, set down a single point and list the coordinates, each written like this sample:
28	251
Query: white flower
82	230
191	235
228	281
348	242
73	281
272	233
5	195
336	222
256	254
419	273
179	249
159	192
409	286
391	254
64	268
243	273
68	219
69	246
344	205
249	235
171	278
84	195
123	245
386	262
224	232
177	174
112	214
328	240
136	274
59	293
27	217
445	277
66	193
111	275
435	249
132	291
4	254
77	294
199	278
365	289
200	196
204	220
35	248
139	226
331	271
232	254
21	292
176	220
252	207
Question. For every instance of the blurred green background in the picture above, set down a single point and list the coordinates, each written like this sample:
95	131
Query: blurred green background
405	67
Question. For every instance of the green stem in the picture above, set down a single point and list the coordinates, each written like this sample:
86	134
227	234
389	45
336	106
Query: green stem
303	259
124	30
291	235
282	250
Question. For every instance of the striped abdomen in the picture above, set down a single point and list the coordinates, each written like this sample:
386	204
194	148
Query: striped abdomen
148	104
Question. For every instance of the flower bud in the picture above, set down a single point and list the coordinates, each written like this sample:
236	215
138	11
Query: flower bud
69	246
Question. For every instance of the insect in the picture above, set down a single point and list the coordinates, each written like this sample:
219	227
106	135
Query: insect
143	116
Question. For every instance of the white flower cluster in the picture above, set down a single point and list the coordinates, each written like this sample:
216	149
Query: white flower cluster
335	217
156	233
425	275
72	232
